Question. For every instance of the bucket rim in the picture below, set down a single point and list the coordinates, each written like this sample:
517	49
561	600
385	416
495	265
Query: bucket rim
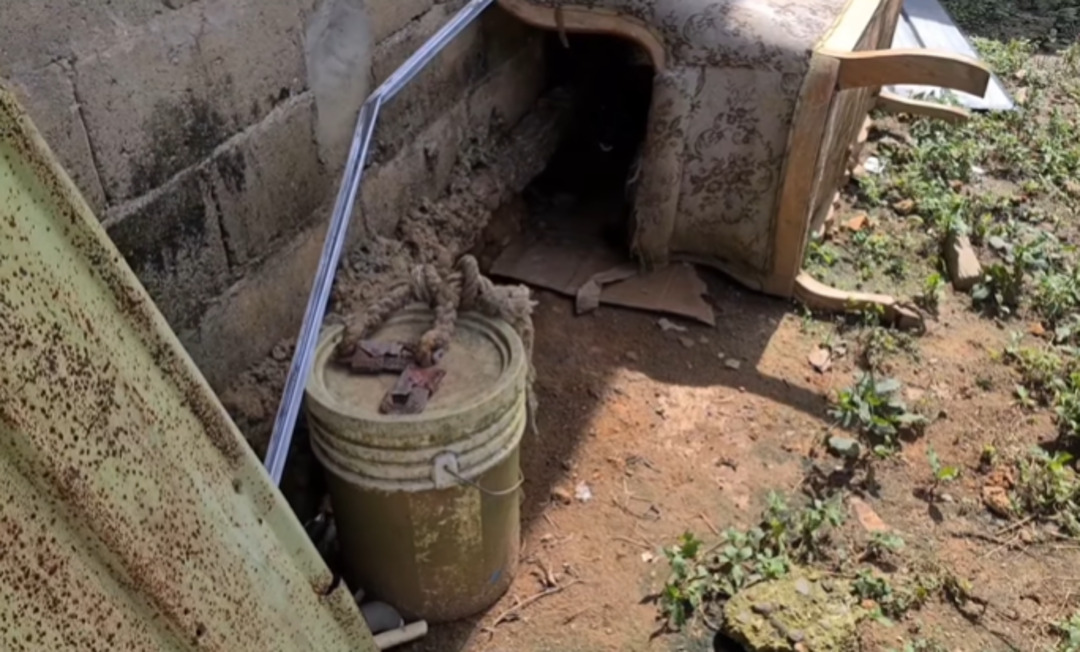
317	392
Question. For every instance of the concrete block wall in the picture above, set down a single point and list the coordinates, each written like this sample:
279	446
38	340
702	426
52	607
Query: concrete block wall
190	127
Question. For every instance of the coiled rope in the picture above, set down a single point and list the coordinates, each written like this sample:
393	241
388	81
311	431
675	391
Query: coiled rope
464	289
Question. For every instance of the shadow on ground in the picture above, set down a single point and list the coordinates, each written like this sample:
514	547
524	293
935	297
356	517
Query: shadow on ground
575	358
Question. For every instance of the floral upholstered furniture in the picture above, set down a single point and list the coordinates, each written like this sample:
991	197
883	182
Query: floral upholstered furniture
756	106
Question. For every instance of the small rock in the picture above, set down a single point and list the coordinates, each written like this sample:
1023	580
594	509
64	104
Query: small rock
280	353
947	498
688	342
802	585
820	359
631	356
1037	329
874	165
996	499
844	447
914	394
1072	187
668	326
732	363
703	339
790	620
866	515
962	263
904	207
1021	96
857	223
582	492
561	495
647	557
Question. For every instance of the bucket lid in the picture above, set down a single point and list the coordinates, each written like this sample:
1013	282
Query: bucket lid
485	368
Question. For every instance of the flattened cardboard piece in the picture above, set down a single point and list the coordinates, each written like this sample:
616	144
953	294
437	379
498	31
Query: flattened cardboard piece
567	265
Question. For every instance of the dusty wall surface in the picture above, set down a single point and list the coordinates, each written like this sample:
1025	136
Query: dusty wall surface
206	135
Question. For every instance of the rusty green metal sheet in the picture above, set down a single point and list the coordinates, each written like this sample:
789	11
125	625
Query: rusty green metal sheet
132	514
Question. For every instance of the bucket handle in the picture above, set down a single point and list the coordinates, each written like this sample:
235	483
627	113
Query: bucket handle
446	473
490	492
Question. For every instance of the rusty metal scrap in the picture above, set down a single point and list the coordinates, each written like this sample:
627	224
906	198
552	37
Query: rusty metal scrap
412	391
132	514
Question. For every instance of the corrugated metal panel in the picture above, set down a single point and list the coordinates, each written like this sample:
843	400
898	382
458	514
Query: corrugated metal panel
926	24
132	514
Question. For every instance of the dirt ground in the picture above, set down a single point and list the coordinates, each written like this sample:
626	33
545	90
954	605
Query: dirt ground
669	438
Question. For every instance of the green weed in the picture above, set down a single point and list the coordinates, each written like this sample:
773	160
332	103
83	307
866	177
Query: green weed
821	255
1069	630
1000	290
1048	488
743	557
932	290
881	544
873	407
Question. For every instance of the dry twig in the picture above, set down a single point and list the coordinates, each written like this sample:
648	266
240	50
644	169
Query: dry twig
516	609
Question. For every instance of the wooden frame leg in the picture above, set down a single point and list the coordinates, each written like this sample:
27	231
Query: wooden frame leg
818	296
897	104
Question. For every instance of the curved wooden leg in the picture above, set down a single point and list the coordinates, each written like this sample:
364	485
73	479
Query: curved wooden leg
897	104
818	296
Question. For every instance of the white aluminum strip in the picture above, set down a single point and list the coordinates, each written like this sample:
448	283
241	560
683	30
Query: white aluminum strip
925	24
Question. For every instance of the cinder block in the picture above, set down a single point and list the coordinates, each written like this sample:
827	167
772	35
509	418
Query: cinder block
421	170
163	98
441	85
254	54
49	97
172	240
147	107
268	181
388	16
240	327
36	33
510	89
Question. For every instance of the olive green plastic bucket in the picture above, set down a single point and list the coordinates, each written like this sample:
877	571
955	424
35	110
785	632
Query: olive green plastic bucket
427	506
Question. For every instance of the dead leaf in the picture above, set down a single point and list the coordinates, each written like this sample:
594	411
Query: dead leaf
820	359
857	223
1021	96
868	518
